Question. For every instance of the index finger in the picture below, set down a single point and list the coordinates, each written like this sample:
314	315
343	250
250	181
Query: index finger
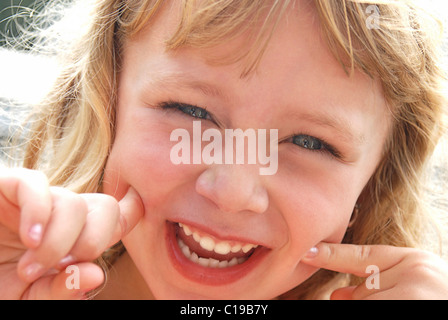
131	211
354	259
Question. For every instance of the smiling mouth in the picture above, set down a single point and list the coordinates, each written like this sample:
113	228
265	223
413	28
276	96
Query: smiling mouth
208	251
206	259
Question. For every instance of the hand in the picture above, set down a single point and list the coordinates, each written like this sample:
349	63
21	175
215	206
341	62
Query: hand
404	273
44	229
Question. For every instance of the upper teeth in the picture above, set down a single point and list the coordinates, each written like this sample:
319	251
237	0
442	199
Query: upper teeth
220	247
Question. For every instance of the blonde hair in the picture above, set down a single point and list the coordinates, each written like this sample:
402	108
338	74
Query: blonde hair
74	129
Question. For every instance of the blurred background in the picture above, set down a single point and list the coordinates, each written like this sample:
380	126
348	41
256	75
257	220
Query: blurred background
24	77
10	8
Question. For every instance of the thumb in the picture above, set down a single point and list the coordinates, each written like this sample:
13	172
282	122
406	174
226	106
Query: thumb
131	211
345	293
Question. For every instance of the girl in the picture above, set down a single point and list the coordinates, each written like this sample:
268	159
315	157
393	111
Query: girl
358	107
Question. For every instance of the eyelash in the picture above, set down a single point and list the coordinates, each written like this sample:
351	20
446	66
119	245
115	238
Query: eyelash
203	114
188	109
324	147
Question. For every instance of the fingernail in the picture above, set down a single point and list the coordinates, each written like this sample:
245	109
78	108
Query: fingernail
33	271
312	253
35	233
66	261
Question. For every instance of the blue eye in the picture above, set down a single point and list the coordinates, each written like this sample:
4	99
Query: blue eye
193	111
314	144
308	142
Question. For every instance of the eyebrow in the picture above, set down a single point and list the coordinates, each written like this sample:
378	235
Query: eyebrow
339	124
180	79
325	119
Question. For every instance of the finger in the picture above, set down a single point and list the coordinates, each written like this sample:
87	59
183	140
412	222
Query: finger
102	219
131	211
355	293
72	283
28	191
67	221
354	259
345	293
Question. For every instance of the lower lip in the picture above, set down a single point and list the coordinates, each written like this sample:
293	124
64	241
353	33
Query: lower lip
205	275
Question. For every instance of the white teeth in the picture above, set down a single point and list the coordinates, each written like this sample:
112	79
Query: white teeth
187	230
213	263
204	262
185	249
222	247
246	248
236	248
194	257
207	243
196	237
223	264
208	262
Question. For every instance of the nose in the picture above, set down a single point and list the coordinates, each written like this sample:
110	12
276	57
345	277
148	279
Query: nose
233	188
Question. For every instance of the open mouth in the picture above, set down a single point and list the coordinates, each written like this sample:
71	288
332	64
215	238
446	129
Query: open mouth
204	258
208	251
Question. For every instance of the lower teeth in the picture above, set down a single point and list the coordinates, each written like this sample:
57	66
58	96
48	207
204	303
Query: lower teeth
208	262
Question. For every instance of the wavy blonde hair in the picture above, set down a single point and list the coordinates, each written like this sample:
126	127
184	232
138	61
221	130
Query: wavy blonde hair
74	129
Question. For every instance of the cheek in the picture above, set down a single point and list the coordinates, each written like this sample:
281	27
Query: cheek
317	207
140	157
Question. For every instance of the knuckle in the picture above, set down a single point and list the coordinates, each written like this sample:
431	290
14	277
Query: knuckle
91	248
66	198
68	202
103	202
420	266
363	252
77	204
109	202
420	269
329	254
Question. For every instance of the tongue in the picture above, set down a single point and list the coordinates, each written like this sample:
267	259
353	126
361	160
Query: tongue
201	252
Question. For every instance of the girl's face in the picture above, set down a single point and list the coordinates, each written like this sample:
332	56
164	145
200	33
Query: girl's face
331	133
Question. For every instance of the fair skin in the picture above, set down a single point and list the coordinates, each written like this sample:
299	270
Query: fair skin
299	89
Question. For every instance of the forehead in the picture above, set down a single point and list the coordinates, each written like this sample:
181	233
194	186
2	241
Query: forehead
296	45
296	70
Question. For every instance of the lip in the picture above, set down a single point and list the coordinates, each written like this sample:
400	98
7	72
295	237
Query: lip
206	275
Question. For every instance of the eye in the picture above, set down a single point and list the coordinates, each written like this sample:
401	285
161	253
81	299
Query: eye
308	142
193	111
314	144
